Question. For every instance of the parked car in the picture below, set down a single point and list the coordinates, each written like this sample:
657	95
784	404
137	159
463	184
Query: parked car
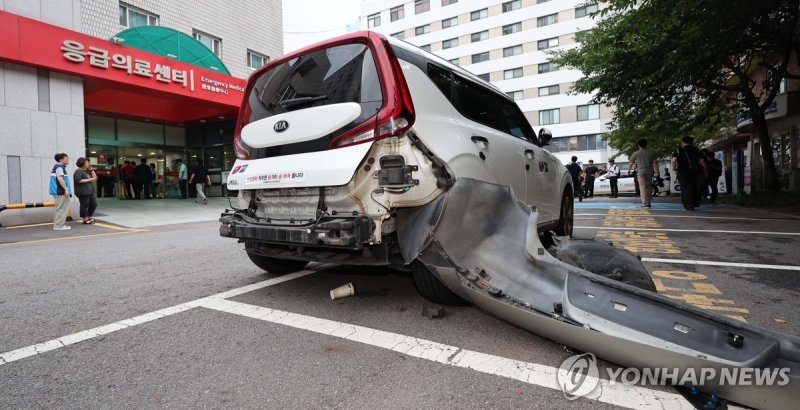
333	139
625	183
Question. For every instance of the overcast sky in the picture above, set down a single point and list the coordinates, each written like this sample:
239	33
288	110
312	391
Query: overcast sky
309	21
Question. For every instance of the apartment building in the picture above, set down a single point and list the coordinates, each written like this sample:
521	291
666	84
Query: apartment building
507	43
113	81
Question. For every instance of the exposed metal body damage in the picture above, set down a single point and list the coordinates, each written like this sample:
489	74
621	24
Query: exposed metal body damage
482	243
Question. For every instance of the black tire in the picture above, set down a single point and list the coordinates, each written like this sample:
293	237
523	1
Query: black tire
431	289
566	218
277	266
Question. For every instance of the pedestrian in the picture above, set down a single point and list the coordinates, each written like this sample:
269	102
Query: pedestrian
144	177
129	176
575	171
183	180
84	189
646	166
633	172
201	179
111	179
690	167
613	176
154	180
714	167
588	179
61	190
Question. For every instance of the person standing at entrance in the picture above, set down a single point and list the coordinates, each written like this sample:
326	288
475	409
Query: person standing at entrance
201	179
714	167
183	180
84	177
61	191
646	166
144	177
129	176
589	174
690	167
613	176
575	172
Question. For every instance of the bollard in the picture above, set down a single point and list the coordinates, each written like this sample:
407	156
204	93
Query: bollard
27	205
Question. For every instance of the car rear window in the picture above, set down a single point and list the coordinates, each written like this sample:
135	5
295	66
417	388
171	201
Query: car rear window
343	74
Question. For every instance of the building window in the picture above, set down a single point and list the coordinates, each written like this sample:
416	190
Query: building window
547	20
512	73
449	2
397	13
133	17
511	5
479	36
422	30
585	10
255	60
374	20
447	23
400	35
547	117
548	43
454	61
547	67
512	28
549	90
541	1
213	43
515	95
479	58
484	77
479	14
453	42
421	6
512	51
581	35
588	112
426	47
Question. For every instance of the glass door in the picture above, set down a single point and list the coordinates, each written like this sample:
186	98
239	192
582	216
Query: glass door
171	181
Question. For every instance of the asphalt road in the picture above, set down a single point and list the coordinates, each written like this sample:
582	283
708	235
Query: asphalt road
89	295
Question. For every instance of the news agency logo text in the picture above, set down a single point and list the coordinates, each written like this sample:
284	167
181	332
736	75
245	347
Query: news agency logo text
578	376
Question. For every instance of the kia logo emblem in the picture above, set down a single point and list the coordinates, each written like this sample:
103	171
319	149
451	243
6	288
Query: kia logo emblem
281	126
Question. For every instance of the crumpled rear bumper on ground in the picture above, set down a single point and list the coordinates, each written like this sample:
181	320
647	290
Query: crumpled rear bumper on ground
482	243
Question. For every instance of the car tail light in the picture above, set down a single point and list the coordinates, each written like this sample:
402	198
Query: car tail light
397	114
238	146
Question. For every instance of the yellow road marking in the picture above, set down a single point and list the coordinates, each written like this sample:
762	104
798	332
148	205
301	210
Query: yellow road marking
27	226
118	228
71	237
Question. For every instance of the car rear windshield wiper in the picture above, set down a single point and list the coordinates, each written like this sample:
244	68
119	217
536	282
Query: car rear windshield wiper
300	101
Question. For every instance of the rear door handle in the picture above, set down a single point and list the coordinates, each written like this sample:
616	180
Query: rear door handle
480	140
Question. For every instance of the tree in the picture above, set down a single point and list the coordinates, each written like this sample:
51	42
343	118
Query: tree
677	67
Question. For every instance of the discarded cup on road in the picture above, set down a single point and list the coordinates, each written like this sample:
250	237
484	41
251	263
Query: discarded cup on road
343	291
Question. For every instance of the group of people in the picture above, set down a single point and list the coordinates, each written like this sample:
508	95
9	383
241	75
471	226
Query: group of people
583	179
82	185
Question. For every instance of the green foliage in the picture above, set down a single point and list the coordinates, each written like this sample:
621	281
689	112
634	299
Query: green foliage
677	67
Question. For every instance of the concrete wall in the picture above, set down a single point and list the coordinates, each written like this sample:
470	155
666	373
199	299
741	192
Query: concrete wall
256	25
38	116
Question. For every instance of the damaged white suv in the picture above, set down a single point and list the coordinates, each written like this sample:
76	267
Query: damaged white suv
338	143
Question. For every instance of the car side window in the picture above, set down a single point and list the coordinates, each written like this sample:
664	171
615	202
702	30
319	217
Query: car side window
489	108
442	78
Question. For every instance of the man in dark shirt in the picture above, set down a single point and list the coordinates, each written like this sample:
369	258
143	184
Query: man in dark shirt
714	167
589	174
201	179
575	172
144	177
690	167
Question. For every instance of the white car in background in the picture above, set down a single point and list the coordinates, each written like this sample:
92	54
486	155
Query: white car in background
335	139
625	183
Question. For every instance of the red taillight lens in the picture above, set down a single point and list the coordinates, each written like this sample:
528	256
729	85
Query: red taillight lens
238	147
397	114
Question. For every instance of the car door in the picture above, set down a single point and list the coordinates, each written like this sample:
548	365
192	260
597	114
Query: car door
488	130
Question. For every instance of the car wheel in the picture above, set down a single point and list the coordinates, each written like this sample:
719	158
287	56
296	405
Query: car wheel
430	288
276	266
567	214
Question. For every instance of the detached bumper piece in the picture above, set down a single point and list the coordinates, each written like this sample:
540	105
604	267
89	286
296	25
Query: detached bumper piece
343	232
483	244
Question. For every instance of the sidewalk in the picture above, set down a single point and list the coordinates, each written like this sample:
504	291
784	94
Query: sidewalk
154	212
